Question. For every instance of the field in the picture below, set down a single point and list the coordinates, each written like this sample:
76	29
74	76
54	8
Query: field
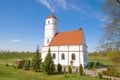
9	73
102	60
12	57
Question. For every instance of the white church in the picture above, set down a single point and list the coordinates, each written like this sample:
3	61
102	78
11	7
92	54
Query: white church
67	48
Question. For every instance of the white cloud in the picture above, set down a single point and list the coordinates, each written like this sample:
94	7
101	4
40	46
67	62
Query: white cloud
62	3
54	5
78	8
16	41
102	18
47	4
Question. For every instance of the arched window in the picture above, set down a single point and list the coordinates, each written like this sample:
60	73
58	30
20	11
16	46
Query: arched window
73	56
48	22
54	55
63	56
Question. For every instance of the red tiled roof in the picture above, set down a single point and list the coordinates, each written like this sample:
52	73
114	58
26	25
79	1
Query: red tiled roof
67	38
51	16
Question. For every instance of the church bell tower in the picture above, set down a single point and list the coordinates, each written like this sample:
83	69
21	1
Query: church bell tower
51	28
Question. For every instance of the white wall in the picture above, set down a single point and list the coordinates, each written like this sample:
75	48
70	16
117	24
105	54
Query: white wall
44	52
51	29
76	62
65	61
80	54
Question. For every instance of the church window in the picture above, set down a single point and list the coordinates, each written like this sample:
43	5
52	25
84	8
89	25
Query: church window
47	40
54	55
73	56
63	56
48	22
55	22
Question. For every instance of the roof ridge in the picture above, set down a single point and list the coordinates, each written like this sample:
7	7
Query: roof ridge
70	31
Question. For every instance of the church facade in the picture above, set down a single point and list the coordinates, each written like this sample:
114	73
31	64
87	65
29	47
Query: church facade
67	48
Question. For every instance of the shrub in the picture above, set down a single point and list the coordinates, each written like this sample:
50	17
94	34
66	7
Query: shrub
14	66
104	72
81	70
111	69
7	64
69	69
65	75
95	66
98	64
90	65
20	66
27	65
99	75
59	68
109	73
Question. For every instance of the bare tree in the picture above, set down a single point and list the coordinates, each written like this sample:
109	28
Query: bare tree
112	29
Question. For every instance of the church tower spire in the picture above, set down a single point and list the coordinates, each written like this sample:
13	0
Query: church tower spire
51	28
51	16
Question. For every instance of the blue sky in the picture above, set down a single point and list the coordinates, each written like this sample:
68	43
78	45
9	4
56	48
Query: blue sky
22	21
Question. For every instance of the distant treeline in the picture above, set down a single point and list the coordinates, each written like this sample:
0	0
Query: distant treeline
9	55
104	53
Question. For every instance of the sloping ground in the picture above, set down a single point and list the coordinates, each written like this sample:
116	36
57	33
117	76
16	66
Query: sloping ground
94	73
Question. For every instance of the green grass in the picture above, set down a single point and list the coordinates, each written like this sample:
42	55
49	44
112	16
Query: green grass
12	57
9	73
104	60
101	59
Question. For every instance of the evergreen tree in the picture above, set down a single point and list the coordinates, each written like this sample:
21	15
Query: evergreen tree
59	68
95	68
48	65
36	61
69	69
81	70
27	65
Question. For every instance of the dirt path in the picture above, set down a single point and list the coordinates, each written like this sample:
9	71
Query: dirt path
5	63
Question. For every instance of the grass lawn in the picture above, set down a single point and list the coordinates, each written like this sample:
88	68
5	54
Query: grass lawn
102	60
9	73
11	58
